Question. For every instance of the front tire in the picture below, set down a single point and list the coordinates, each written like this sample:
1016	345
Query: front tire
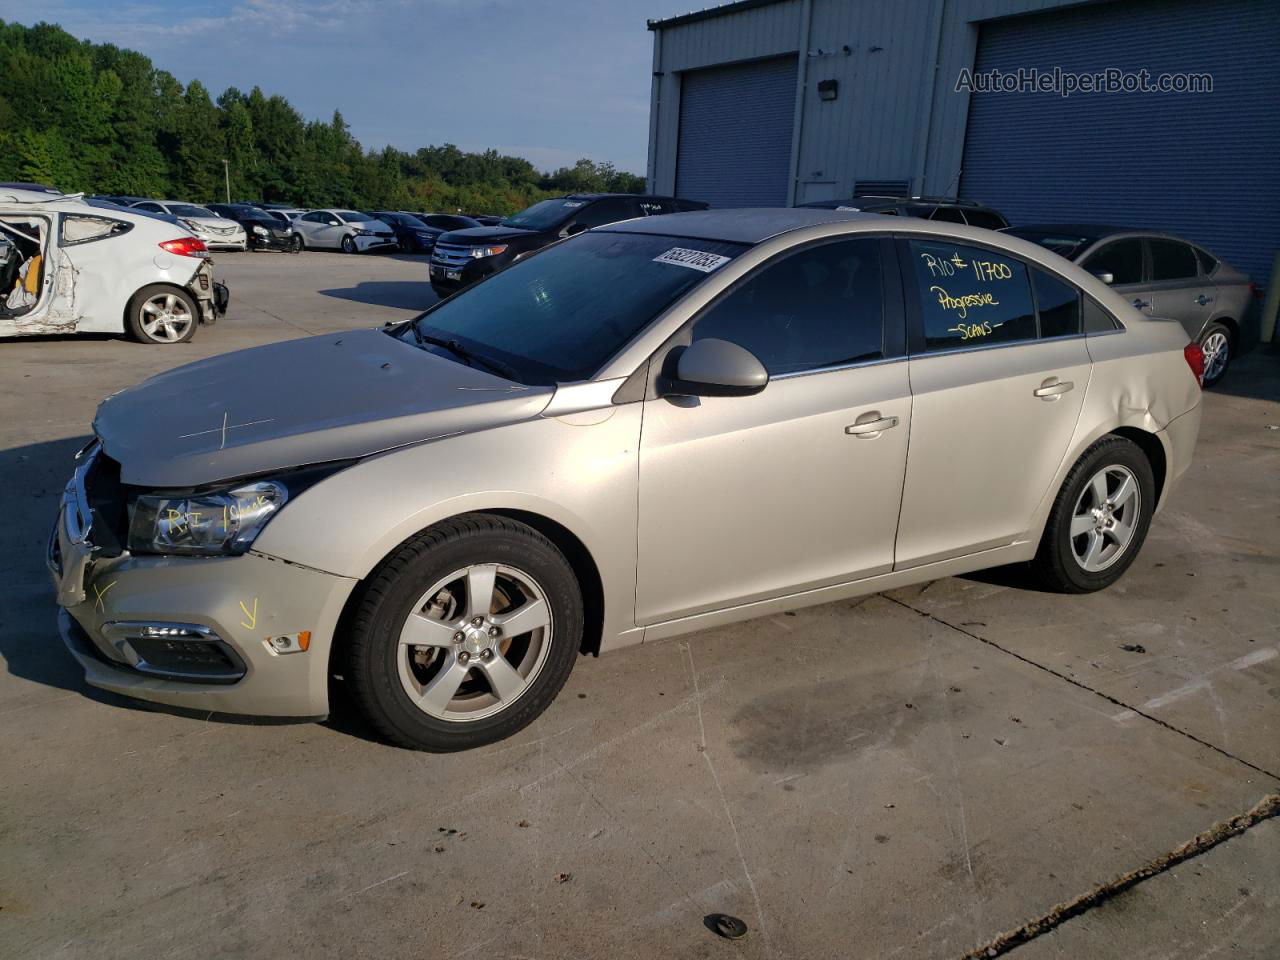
162	314
465	634
349	244
1099	520
1216	343
296	245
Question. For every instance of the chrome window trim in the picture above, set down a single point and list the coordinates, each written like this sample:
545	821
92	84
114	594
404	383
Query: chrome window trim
837	367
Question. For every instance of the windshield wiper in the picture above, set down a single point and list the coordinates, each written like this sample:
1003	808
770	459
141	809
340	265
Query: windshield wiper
470	358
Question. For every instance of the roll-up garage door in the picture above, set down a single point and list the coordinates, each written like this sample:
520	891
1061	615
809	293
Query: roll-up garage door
1202	165
735	133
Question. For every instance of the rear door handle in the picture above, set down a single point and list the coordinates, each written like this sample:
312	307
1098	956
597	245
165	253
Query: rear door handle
1141	304
870	425
1203	300
1052	389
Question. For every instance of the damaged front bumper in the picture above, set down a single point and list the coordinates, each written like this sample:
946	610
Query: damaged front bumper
247	634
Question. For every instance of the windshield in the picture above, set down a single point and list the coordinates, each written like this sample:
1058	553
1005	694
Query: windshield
189	210
545	214
352	216
1063	244
556	317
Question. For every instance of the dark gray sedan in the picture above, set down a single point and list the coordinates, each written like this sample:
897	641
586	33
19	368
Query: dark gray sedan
1163	276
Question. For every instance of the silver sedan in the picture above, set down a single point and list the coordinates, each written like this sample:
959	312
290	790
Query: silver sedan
1161	275
648	429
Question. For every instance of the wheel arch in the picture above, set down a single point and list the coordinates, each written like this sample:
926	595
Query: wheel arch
1153	450
566	541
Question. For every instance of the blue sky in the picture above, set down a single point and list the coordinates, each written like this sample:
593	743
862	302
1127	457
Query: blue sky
551	81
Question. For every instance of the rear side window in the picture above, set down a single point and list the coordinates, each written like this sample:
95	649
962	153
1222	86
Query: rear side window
1122	259
1096	319
1207	262
969	296
820	307
77	228
1171	260
1058	304
987	219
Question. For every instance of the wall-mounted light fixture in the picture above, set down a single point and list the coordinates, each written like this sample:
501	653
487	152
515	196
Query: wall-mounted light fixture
828	89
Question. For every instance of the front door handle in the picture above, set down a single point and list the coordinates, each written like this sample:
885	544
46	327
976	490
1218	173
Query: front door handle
1140	303
870	425
1052	389
1203	300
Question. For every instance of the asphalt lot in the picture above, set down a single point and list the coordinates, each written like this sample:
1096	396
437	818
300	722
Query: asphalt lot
906	775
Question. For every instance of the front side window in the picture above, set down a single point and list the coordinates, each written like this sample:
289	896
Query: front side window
1122	259
821	307
1171	260
556	317
969	296
605	211
1058	303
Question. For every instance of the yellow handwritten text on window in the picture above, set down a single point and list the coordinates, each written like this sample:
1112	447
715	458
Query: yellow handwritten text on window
963	303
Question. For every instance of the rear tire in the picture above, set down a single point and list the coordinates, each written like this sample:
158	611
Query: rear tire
161	314
1216	342
478	675
1099	520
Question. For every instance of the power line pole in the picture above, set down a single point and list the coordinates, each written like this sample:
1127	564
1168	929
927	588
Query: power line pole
226	174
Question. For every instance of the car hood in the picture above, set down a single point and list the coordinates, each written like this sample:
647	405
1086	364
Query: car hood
483	235
299	402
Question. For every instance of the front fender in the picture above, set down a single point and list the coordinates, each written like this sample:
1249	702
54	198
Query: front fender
578	470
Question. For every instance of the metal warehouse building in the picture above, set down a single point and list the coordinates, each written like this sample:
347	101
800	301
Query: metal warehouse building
779	102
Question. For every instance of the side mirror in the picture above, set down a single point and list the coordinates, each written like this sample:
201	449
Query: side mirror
574	228
716	368
1107	278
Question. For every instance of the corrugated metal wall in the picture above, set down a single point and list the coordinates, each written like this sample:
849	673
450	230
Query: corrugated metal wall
1200	165
735	134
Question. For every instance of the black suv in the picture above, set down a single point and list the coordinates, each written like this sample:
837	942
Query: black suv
262	230
461	257
946	209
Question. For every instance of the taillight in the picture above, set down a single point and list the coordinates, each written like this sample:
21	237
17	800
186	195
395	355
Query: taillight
184	247
1256	291
1195	360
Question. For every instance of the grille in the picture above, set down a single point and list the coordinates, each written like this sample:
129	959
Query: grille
455	256
222	231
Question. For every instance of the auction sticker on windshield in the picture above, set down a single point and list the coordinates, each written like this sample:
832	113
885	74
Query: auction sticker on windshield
693	259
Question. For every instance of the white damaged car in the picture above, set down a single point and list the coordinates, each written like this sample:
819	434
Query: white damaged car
75	268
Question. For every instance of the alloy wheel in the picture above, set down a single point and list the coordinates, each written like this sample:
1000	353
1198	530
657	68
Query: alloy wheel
1217	351
1105	517
474	643
166	318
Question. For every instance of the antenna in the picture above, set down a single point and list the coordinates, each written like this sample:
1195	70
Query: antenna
951	187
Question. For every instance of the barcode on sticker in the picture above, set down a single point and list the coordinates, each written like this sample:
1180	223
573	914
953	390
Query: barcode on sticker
693	259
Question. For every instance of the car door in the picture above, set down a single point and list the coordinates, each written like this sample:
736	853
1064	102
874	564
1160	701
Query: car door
1125	261
994	404
1178	290
744	498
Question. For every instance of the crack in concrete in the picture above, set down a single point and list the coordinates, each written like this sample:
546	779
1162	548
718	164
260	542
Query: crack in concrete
1084	686
1267	808
1203	842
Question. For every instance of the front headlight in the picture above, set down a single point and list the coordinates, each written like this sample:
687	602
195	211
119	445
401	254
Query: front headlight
217	523
478	252
260	231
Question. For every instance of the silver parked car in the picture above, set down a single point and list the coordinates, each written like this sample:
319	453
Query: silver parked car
650	428
1161	275
347	230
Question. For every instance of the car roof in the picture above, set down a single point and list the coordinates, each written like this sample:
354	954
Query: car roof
745	225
